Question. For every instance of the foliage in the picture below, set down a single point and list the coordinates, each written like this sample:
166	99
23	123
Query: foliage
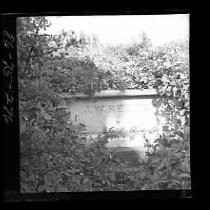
127	67
55	157
171	168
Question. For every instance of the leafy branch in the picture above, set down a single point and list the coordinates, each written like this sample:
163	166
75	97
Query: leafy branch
32	47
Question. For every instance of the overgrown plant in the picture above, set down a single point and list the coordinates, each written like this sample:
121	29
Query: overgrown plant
54	155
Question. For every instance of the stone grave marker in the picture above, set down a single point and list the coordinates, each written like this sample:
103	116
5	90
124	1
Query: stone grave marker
130	111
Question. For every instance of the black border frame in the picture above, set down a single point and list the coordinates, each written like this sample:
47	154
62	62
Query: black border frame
11	129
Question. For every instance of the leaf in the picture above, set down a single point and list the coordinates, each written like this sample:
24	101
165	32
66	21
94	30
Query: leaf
112	176
143	174
184	175
186	165
42	188
174	184
86	180
186	130
182	112
61	188
161	167
182	120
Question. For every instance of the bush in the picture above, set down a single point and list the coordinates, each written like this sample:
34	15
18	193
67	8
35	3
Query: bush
55	157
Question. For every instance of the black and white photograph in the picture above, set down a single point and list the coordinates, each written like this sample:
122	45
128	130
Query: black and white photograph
104	103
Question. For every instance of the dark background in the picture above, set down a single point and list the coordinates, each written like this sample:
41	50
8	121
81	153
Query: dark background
10	132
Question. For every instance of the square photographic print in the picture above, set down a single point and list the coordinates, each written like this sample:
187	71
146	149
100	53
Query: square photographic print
104	103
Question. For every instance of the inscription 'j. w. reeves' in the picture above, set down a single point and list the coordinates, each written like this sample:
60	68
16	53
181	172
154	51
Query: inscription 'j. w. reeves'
107	108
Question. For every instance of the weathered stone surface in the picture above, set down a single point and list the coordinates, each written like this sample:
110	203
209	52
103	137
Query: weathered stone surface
130	111
114	113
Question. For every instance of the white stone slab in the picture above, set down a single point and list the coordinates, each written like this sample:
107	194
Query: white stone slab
136	116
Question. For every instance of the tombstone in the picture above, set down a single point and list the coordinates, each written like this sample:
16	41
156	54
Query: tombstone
129	111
